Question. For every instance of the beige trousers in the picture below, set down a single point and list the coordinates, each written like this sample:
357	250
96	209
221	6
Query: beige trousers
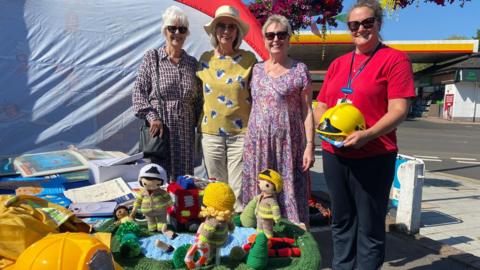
223	161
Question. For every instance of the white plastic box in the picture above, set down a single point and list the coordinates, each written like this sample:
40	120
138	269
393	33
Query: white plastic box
107	169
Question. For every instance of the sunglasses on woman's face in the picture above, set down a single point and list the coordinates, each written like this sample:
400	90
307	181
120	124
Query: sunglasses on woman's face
367	24
223	26
173	29
280	35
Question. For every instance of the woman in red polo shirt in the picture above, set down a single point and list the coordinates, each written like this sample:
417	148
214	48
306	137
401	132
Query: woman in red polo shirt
377	80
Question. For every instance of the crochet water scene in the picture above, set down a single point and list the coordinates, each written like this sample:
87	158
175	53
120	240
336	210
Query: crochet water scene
292	249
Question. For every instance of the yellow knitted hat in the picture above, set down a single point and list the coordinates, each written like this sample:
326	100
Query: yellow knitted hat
219	196
274	177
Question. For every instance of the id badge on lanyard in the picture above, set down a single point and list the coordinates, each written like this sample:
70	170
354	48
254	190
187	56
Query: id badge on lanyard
348	90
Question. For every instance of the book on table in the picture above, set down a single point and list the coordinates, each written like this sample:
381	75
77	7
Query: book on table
48	163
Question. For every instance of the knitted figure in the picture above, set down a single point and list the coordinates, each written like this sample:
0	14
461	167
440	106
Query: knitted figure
127	232
153	200
213	232
120	215
267	209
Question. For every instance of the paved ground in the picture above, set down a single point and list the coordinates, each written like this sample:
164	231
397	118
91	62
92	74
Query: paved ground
450	211
450	232
401	253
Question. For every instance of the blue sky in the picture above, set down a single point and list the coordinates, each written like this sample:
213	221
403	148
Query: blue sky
428	21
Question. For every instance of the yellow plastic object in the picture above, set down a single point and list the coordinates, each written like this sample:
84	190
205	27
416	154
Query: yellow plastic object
341	121
25	219
274	177
73	251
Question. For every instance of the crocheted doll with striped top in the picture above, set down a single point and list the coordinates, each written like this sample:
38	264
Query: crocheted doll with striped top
218	199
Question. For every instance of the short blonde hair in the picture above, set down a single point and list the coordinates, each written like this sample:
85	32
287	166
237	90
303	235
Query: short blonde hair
277	19
172	15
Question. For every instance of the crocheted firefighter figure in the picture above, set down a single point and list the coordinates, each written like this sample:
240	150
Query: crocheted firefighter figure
267	209
153	200
218	199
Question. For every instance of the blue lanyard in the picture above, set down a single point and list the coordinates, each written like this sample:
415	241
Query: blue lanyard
350	78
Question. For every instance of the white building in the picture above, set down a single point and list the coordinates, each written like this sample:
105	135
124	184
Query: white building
460	80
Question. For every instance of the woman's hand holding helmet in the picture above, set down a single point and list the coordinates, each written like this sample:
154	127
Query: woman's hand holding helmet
357	139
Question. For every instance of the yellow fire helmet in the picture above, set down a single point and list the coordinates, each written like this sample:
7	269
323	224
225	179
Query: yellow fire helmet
273	177
74	251
341	121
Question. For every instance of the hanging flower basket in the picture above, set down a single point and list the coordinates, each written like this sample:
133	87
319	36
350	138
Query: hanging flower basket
300	13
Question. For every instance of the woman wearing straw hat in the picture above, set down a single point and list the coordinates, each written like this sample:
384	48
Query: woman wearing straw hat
225	74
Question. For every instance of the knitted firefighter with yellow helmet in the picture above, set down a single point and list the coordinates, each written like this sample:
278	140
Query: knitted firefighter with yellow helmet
218	199
267	209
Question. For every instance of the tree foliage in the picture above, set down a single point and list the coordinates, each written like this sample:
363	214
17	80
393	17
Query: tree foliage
478	35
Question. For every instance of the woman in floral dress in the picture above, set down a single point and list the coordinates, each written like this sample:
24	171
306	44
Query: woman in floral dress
280	128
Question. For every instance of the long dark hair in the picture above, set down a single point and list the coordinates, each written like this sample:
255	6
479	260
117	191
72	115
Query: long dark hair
118	208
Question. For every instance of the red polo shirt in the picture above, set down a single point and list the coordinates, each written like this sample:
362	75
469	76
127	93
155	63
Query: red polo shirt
388	75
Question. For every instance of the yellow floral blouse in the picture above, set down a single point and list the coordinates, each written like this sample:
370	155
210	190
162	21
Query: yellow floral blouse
226	92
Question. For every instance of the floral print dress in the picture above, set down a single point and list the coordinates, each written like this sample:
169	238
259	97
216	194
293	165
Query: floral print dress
276	137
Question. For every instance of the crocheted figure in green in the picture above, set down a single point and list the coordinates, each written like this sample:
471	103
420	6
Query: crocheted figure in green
127	233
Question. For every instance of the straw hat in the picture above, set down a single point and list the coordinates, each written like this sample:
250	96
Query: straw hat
230	12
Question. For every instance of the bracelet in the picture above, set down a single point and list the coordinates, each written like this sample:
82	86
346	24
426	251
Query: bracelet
309	142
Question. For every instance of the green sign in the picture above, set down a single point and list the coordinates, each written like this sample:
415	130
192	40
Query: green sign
470	75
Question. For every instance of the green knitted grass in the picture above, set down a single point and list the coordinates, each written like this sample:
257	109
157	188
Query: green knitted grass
310	258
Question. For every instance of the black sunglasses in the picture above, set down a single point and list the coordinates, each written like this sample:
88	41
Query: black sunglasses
223	26
280	35
173	29
367	24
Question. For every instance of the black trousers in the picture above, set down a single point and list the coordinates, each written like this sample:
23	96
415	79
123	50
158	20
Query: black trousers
359	191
